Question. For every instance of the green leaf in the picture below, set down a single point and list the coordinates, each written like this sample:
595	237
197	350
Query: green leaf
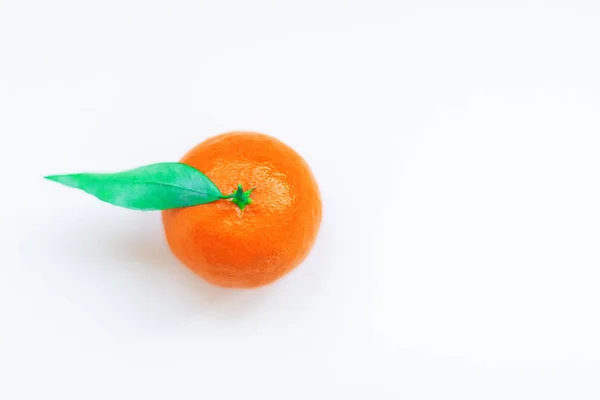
158	186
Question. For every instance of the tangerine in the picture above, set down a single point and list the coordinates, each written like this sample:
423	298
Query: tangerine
262	233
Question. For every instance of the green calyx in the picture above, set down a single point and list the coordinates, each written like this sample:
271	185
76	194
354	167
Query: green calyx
240	197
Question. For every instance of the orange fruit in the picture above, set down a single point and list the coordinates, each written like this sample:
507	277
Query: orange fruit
251	246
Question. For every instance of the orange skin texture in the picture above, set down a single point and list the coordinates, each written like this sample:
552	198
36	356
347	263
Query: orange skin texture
271	236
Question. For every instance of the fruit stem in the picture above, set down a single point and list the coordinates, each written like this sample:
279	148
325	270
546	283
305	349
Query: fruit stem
239	197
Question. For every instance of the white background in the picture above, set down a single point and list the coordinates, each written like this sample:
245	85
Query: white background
457	149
